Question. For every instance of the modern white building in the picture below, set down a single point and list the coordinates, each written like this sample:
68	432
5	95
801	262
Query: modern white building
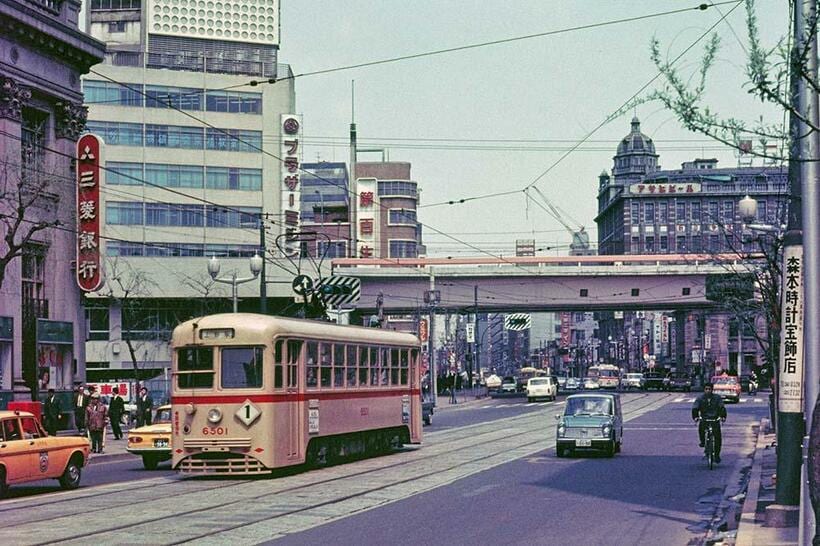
202	142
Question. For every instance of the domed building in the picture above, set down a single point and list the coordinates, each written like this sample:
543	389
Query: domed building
692	210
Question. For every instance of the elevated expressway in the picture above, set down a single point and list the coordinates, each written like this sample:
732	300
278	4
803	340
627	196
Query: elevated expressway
541	283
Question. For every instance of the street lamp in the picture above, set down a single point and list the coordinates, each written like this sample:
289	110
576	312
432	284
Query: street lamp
256	264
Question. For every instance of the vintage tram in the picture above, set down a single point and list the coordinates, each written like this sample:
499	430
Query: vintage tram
252	393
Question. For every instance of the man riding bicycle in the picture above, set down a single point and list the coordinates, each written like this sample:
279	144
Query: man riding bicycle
709	406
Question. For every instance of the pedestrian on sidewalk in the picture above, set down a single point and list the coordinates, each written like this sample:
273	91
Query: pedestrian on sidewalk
51	413
144	406
80	403
95	419
115	412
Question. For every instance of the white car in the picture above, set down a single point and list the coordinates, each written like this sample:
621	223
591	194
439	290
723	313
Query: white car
541	387
509	385
572	384
591	384
632	381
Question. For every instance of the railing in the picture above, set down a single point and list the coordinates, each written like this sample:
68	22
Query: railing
52	6
188	63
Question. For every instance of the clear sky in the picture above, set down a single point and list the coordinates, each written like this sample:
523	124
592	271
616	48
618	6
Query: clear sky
497	118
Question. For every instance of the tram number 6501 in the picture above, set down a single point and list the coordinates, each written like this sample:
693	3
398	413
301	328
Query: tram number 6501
214	431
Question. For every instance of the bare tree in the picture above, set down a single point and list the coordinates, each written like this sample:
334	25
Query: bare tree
28	207
127	288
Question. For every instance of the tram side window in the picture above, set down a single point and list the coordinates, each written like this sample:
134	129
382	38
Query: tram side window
351	365
404	365
394	366
325	364
195	368
242	367
339	365
294	351
312	360
374	365
363	366
278	364
385	367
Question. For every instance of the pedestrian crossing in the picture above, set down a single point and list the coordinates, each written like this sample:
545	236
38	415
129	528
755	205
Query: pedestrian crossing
691	399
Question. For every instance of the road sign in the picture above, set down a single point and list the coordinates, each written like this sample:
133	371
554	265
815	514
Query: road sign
517	321
470	331
302	285
337	290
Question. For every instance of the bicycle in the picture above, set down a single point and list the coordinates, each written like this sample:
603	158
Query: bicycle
709	442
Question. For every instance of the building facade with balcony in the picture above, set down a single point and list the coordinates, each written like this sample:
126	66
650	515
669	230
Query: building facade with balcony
202	158
387	218
42	330
643	209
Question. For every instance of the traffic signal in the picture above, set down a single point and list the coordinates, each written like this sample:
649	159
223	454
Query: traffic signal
335	290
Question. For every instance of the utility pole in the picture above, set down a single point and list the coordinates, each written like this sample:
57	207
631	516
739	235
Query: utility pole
263	279
790	406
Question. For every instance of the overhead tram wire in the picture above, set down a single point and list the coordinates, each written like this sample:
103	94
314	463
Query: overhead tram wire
274	156
255	82
203	122
700	7
606	120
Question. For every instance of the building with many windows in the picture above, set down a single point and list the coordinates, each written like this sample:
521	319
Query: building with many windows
202	159
643	209
42	332
326	209
387	223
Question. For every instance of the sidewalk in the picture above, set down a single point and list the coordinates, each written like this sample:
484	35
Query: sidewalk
113	450
751	530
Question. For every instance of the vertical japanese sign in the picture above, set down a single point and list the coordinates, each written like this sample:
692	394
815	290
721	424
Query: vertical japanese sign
791	347
566	330
368	218
89	266
291	156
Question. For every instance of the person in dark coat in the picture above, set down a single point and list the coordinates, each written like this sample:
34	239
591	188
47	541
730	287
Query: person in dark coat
709	406
144	406
51	413
79	403
116	409
95	418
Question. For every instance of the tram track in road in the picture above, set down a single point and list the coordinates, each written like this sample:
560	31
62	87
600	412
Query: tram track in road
237	495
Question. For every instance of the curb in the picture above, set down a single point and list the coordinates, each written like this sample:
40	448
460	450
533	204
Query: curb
748	517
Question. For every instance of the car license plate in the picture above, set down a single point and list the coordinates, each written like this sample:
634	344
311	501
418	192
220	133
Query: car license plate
160	443
581	442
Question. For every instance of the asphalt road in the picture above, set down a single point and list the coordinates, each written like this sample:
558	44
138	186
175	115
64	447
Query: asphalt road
487	473
657	491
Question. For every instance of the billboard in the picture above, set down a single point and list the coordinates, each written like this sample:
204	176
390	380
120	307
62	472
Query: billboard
89	263
249	21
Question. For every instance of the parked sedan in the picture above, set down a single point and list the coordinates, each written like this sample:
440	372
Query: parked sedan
678	381
632	381
28	454
653	380
152	442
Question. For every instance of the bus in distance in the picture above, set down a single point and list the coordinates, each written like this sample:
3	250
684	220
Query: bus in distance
606	375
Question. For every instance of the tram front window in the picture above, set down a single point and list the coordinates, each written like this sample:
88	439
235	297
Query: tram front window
242	368
195	368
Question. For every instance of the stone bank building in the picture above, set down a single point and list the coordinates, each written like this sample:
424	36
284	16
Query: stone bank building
42	326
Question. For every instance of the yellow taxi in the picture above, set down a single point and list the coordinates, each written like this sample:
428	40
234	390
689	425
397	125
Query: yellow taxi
28	454
152	442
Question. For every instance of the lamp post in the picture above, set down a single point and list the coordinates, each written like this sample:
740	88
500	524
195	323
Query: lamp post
256	264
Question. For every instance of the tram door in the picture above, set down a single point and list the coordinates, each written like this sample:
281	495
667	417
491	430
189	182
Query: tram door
295	403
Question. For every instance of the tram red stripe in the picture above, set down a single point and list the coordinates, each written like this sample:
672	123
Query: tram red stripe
298	397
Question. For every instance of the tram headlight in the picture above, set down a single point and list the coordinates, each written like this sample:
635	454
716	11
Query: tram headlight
190	408
214	415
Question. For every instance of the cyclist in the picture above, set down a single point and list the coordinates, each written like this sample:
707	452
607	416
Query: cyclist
709	406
